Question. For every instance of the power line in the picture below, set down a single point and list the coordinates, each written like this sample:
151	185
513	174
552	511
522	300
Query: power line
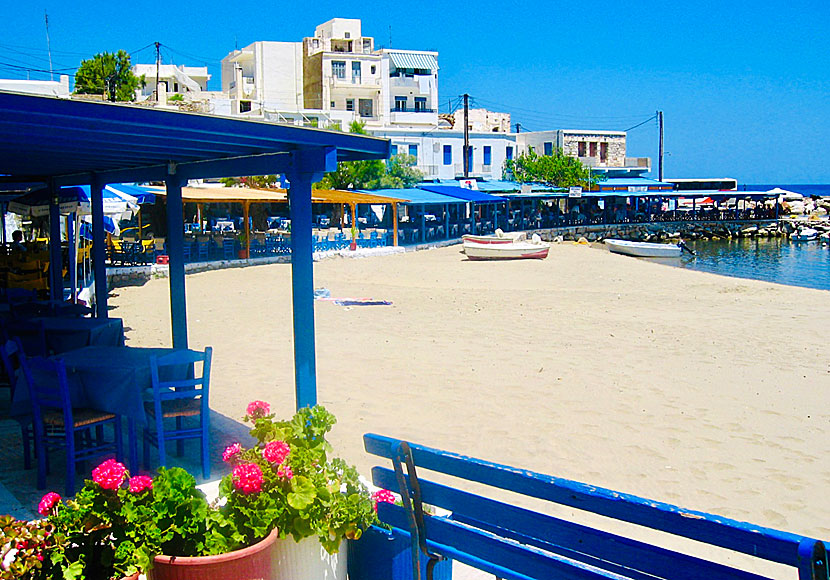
643	123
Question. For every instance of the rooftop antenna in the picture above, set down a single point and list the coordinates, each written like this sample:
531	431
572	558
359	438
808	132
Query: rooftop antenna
48	46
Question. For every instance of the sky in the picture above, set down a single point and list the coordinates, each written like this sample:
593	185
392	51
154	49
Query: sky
744	86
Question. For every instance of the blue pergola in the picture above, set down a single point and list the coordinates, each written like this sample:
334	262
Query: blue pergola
62	142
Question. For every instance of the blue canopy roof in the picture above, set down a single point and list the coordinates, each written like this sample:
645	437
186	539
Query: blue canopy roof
463	193
416	196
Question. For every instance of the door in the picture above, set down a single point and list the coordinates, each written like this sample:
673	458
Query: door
366	108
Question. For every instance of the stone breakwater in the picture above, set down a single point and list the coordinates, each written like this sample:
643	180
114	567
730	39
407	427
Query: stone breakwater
662	231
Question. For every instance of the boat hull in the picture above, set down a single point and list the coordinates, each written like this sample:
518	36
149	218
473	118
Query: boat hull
504	239
644	249
805	235
514	251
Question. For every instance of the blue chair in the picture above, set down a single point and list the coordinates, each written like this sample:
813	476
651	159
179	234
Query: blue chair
179	398
203	248
229	248
187	251
57	424
11	352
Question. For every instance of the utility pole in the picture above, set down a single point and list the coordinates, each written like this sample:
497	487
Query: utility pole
660	155
48	45
518	127
158	66
466	136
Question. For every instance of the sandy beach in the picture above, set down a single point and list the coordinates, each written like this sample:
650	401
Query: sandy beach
685	387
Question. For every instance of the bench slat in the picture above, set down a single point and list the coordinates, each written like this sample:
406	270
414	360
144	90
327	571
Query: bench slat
618	554
492	553
742	537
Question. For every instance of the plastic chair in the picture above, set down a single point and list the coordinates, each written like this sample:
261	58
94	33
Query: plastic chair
177	399
11	352
57	424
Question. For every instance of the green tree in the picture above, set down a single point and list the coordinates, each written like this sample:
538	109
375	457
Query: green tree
397	173
558	170
109	74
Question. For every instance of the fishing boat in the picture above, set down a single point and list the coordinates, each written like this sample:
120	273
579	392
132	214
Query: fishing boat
804	235
523	249
644	249
499	237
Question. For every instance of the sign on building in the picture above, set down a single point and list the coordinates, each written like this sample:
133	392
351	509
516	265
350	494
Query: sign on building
574	192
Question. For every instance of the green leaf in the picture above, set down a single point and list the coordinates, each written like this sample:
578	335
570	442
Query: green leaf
303	493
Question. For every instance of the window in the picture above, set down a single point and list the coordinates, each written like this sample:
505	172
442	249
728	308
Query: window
548	148
367	45
315	43
394	150
350	104
338	69
365	107
400	103
509	152
593	149
470	158
487	155
374	68
347	35
603	152
447	154
581	149
413	150
332	104
356	72
420	104
244	106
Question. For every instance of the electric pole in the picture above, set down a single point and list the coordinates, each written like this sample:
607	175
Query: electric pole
466	136
158	66
518	127
660	154
48	45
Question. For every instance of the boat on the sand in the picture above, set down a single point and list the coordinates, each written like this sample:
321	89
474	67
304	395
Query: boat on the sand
499	237
518	250
644	249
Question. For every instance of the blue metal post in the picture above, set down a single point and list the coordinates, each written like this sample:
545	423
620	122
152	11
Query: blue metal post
175	249
308	168
423	224
473	228
99	250
73	254
447	221
55	254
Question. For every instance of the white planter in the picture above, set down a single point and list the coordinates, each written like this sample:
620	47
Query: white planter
308	560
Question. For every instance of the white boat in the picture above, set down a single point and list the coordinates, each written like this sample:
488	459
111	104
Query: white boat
535	248
499	237
804	235
644	249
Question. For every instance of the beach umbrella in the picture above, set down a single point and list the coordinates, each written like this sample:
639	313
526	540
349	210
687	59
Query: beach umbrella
785	195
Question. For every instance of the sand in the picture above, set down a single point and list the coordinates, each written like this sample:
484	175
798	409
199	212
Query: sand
685	387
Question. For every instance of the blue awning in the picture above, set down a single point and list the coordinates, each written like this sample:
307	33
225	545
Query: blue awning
415	196
463	193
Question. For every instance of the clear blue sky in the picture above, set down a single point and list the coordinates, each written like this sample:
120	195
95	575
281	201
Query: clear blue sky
744	86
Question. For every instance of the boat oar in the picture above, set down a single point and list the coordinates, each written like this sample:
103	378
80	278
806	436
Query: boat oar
683	246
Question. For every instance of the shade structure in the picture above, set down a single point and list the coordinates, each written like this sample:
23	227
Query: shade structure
417	196
60	142
413	60
463	193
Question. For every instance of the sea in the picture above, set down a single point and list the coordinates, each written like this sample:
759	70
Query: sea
776	260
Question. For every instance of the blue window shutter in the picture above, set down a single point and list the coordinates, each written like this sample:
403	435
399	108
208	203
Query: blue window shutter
487	155
447	154
394	150
413	150
509	152
548	148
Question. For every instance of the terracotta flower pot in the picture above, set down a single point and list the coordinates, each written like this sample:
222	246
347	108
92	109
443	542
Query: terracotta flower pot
257	562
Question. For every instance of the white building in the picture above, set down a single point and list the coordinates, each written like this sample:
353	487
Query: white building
482	121
333	78
172	78
58	88
439	153
603	151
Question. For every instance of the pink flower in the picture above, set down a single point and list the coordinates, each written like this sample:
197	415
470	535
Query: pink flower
139	483
382	496
230	452
285	472
247	478
276	451
257	409
110	474
48	503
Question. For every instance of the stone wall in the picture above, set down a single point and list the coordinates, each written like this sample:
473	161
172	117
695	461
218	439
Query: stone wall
616	147
655	232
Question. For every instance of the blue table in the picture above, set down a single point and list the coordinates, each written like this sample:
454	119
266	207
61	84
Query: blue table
67	334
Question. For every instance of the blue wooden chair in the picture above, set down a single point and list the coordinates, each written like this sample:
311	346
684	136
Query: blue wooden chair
57	424
203	251
229	248
11	352
178	399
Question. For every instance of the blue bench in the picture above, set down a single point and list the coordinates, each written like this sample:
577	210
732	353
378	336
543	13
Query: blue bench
520	544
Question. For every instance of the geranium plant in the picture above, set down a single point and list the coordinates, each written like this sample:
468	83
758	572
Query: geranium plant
288	481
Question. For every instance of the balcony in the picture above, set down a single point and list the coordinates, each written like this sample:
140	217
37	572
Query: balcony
355	83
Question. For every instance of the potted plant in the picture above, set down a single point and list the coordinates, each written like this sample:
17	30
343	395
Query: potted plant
288	481
242	238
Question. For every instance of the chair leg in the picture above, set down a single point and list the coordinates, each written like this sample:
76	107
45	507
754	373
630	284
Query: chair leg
161	442
179	442
27	447
70	464
205	446
119	455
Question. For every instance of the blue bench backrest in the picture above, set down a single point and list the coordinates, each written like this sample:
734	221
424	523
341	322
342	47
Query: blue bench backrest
483	531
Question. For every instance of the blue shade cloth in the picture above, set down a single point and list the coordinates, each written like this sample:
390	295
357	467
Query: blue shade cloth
415	196
463	193
66	334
